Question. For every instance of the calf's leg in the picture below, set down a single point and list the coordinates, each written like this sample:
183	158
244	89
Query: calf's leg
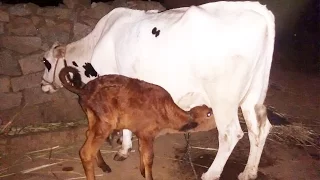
101	163
89	150
146	157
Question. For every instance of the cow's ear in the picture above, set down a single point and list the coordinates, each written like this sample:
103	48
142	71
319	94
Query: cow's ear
59	52
55	44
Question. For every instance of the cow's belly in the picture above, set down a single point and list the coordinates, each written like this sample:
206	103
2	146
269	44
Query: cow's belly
177	78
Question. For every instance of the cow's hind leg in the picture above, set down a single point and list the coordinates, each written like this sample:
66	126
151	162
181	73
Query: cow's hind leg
123	153
229	134
258	129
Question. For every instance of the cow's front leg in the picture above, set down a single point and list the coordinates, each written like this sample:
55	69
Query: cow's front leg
123	153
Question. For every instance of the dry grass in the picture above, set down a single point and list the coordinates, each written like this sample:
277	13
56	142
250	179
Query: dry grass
6	128
10	130
295	134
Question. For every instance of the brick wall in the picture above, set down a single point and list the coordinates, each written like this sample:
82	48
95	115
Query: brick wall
26	32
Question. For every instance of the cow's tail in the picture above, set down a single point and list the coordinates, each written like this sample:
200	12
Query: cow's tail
67	82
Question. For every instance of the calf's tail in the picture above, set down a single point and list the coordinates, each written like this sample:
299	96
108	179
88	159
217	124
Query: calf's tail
68	85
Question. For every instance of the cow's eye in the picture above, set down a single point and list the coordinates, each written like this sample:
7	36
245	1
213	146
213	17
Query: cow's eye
46	63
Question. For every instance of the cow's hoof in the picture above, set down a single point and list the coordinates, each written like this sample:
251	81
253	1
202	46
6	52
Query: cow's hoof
205	176
119	141
120	157
247	176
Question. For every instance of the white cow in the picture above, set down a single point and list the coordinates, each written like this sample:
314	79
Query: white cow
217	54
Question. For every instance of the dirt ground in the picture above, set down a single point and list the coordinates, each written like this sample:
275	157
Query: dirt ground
294	94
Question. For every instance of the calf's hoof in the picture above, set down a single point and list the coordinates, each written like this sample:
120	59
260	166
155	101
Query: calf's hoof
120	157
105	168
143	173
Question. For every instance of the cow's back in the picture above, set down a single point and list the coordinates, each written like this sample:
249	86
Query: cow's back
185	49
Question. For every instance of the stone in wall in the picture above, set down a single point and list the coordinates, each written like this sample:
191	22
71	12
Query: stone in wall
65	26
21	26
27	81
10	100
98	11
72	3
142	5
50	22
1	28
33	96
55	12
52	34
89	21
4	84
4	16
32	63
119	3
45	47
23	116
36	20
65	94
80	31
8	65
62	110
24	45
20	10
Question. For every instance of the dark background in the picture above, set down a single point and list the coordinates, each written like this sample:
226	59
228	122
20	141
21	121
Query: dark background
300	44
43	2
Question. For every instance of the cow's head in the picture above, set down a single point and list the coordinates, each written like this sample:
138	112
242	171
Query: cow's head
53	61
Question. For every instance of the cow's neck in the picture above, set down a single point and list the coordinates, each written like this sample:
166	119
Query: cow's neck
79	52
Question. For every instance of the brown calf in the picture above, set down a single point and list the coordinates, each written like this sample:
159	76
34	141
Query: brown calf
115	102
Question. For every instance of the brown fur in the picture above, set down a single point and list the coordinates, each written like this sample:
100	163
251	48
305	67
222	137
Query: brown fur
115	102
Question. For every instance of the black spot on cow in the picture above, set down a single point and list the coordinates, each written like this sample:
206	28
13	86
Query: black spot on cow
155	32
46	64
75	64
89	70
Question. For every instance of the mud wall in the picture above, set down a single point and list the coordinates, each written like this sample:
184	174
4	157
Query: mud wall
26	32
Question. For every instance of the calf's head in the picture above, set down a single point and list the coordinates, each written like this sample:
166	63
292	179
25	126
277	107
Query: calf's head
53	61
203	115
200	115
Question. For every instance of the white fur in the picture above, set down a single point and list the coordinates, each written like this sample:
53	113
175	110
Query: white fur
217	54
